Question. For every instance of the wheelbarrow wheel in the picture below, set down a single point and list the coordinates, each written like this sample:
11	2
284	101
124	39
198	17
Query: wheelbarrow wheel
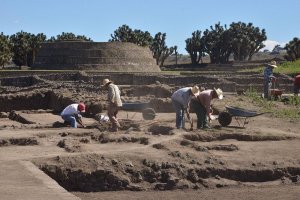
225	118
148	114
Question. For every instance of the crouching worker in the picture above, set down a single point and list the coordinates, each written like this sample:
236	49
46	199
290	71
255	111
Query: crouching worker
181	100
202	106
72	114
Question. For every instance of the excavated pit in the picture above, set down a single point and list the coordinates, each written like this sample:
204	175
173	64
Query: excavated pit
237	136
142	155
108	174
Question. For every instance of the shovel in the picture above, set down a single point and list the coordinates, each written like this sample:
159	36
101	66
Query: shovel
148	124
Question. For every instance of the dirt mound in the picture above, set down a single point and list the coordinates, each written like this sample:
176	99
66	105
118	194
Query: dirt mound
237	136
19	141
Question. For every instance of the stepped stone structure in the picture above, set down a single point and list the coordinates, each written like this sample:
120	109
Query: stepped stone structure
103	56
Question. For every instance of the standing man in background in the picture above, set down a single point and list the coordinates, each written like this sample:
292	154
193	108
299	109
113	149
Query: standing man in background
114	103
268	73
297	85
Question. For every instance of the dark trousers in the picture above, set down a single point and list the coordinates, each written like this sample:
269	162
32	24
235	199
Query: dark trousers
201	114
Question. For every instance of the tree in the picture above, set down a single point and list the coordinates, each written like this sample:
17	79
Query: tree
195	47
293	49
217	43
35	44
246	40
65	36
83	38
176	54
125	34
52	39
21	47
159	48
5	49
142	38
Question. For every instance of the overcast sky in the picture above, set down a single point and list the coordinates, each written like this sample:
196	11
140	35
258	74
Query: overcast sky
98	19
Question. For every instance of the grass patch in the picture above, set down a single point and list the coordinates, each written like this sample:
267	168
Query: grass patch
289	68
289	109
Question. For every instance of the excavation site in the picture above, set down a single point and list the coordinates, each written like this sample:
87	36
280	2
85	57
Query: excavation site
148	157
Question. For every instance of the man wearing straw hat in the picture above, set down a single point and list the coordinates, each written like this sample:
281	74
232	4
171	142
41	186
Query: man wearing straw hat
180	100
268	74
297	85
202	106
114	102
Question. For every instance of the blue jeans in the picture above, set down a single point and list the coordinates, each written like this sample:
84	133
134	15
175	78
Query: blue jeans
71	119
180	121
267	89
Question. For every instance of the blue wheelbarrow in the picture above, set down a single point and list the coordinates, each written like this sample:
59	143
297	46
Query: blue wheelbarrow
239	114
148	113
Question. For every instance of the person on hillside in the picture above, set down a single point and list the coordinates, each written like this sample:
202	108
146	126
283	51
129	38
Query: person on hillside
202	106
297	85
114	102
72	114
181	100
268	75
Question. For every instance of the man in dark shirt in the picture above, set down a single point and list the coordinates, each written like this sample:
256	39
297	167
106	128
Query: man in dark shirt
297	85
268	73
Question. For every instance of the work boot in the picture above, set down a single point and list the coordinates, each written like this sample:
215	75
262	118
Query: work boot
114	129
206	127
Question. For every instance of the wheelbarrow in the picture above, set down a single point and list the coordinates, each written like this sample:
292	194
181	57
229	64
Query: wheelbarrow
239	114
148	113
274	92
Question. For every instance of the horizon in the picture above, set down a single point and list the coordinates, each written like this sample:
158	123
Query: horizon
178	19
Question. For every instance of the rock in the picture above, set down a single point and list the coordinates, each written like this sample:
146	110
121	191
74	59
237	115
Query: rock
114	161
3	115
275	163
129	164
295	179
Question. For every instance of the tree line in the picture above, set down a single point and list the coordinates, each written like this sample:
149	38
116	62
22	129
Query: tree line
23	47
219	42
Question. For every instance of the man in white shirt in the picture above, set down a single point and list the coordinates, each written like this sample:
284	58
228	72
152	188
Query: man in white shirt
180	100
72	115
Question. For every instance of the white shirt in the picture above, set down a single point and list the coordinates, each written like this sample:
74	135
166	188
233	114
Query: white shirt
70	110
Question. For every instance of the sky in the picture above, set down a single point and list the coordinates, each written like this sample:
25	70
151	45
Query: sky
98	19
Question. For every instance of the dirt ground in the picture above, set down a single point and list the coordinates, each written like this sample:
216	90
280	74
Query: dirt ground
151	159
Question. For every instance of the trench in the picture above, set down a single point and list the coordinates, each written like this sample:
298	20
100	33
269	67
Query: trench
236	136
113	175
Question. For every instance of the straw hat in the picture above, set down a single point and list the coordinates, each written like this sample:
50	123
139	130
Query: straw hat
219	93
272	64
195	90
105	82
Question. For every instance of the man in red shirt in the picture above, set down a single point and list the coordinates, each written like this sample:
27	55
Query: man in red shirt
297	85
203	106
